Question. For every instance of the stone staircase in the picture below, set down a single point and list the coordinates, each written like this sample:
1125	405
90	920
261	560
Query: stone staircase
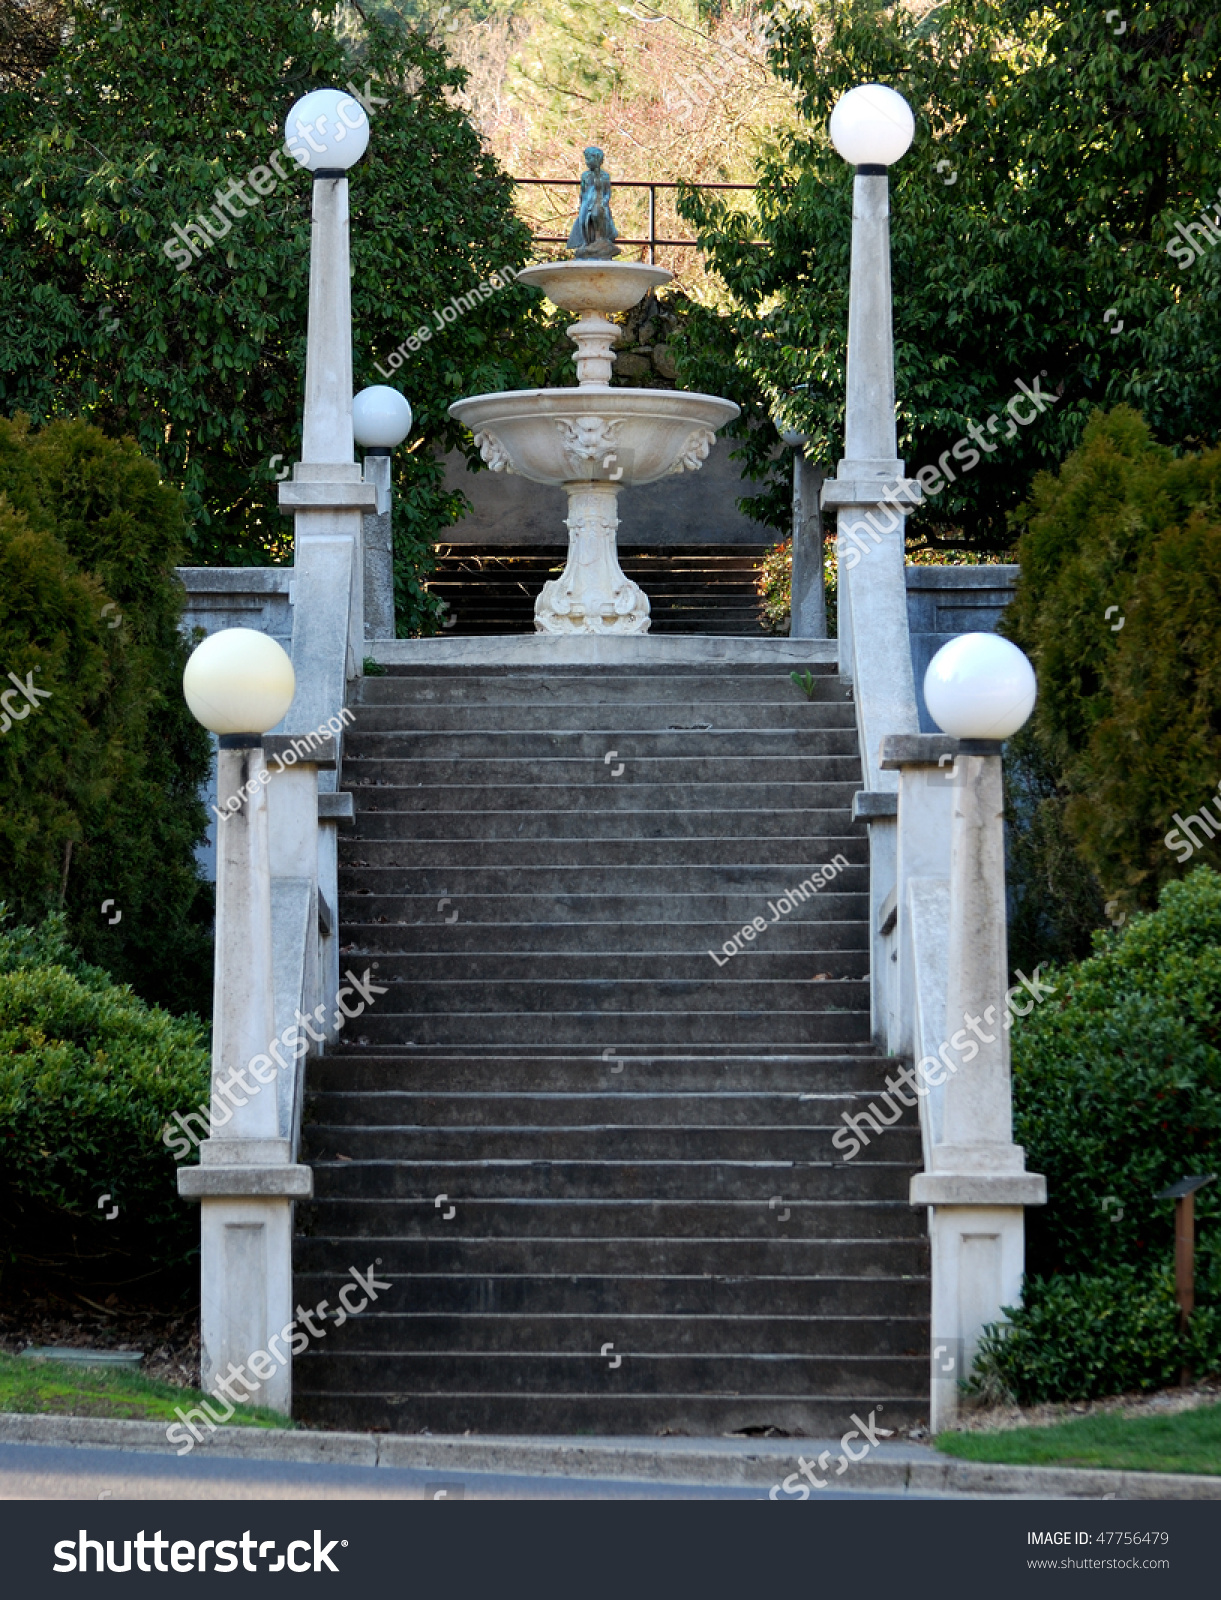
593	1165
491	589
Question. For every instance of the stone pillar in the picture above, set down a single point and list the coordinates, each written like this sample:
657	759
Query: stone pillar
978	1185
378	550
874	647
592	595
247	1180
809	600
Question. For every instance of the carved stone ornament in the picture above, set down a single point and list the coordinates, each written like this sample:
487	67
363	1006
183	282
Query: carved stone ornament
588	438
695	452
493	452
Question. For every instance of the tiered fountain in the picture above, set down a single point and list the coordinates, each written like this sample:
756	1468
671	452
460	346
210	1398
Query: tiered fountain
594	440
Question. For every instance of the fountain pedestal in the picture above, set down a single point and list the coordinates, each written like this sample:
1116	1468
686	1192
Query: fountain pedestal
594	440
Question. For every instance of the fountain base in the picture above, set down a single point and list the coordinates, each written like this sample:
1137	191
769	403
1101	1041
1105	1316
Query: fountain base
592	595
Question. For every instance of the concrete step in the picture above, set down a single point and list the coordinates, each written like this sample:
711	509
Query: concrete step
771	1185
618	1030
535	1218
593	823
330	1251
347	1070
623	1413
765	882
588	1371
796	715
573	1334
715	769
662	997
446	1294
364	935
617	1139
614	966
595	686
413	793
617	1104
592	852
584	745
729	910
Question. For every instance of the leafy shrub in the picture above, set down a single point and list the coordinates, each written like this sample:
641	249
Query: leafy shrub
89	1075
1117	1087
102	780
1117	606
1082	1337
1117	1093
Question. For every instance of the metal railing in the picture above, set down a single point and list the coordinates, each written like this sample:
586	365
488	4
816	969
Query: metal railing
652	241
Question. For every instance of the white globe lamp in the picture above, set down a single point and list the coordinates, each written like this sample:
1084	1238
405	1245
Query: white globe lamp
327	130
381	418
872	126
239	681
979	686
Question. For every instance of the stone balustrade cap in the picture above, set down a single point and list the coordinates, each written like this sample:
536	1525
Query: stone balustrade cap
246	1182
978	1189
916	750
320	496
869	805
312	749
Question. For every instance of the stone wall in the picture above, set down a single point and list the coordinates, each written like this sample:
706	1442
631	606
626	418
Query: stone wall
943	602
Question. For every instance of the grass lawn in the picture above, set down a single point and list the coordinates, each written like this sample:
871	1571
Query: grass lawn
1187	1441
32	1386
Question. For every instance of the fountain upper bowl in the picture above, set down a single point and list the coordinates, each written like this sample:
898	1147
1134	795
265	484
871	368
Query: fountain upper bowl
593	434
602	286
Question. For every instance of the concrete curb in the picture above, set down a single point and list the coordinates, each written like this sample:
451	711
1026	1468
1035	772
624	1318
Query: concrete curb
754	1463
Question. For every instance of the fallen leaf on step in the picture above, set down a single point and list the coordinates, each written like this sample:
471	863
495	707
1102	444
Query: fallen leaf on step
821	977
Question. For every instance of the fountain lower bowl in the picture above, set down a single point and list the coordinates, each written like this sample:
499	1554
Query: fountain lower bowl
594	434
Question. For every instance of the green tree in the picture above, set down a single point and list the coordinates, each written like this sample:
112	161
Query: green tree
1117	606
146	112
1033	236
102	767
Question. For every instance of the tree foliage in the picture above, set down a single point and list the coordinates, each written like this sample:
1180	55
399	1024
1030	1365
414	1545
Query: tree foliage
148	110
1117	606
1031	219
102	767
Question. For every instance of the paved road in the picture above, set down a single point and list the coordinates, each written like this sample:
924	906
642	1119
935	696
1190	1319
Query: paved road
66	1472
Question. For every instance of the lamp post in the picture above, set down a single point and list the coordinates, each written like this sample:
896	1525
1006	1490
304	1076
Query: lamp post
808	603
381	419
239	684
979	689
871	127
327	132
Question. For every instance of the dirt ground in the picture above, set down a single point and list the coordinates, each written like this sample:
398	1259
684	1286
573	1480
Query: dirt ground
1158	1402
44	1316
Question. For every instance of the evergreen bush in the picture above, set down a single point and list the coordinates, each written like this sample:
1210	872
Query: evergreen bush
89	1076
1117	606
102	776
